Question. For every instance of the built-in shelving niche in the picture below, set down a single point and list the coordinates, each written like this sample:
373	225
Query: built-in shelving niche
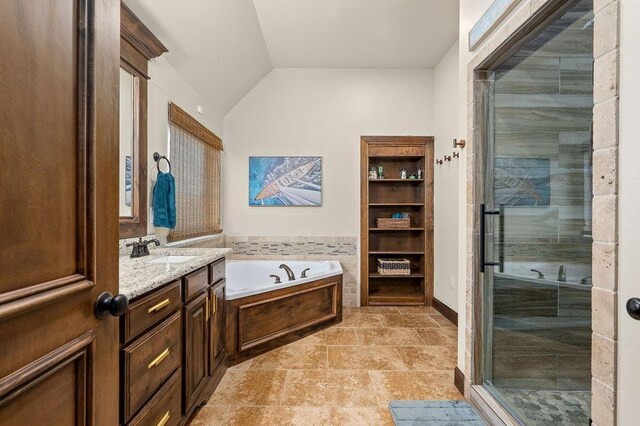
382	198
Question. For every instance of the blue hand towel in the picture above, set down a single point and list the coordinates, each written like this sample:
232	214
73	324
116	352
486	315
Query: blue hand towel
164	201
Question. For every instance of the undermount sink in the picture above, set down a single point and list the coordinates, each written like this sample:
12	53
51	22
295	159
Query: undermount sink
172	259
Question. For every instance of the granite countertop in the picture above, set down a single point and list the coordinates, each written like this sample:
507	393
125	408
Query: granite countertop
138	276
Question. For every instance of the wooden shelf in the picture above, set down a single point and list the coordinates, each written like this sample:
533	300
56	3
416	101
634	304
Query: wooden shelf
396	180
413	276
396	229
396	252
408	298
394	204
381	198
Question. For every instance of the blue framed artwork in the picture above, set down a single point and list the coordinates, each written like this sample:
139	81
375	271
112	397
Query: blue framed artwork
285	181
522	181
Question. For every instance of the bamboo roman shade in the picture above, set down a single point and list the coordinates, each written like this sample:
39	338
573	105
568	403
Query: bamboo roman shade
195	160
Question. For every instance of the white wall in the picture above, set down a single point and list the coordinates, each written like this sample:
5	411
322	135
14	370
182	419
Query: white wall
629	226
446	241
317	112
167	85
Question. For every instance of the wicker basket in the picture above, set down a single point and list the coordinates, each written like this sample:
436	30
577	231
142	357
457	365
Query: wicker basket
391	223
393	267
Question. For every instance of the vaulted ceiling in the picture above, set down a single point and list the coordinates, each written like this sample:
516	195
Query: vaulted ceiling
223	48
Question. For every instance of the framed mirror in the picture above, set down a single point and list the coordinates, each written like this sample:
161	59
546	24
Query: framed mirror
137	46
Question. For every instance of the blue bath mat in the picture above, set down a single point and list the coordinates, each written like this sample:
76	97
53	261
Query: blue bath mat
434	413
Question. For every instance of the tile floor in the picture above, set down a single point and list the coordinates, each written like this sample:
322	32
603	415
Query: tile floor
343	375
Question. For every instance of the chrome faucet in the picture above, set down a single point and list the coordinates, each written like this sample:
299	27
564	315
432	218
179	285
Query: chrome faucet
540	274
290	273
562	274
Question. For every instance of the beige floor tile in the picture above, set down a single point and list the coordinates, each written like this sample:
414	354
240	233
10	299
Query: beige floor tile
408	320
439	336
365	358
413	385
332	336
406	310
249	387
327	388
428	357
271	416
292	357
388	336
242	366
360	320
442	321
210	415
361	416
372	310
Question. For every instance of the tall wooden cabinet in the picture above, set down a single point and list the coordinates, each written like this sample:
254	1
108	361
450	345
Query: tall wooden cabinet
381	198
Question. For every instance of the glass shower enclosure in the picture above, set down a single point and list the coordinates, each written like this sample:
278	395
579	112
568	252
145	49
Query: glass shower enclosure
538	108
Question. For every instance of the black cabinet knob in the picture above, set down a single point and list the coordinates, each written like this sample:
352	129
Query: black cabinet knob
633	308
108	304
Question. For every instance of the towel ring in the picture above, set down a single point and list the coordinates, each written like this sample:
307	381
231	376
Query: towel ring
157	158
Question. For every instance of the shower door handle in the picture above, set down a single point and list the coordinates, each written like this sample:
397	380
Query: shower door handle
483	213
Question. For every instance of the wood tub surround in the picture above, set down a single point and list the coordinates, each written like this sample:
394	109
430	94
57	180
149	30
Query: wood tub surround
258	323
171	355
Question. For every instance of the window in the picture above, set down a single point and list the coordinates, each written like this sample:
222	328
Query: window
195	164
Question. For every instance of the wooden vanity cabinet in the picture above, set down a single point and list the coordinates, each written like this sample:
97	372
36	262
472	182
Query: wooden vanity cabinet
172	348
217	324
196	349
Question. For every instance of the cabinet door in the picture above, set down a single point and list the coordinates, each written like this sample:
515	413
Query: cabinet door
196	351
216	294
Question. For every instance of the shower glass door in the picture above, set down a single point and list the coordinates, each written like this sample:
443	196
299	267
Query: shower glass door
537	224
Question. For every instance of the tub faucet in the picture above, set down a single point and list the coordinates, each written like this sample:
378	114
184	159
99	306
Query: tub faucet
290	273
540	274
304	273
562	274
277	279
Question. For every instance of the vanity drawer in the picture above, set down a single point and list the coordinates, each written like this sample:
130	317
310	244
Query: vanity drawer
149	361
195	283
150	310
216	271
165	407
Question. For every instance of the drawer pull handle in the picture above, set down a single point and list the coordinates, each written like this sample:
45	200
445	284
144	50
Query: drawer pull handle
159	359
163	421
159	306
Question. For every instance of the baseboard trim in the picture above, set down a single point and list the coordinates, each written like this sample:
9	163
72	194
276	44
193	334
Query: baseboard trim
446	311
458	380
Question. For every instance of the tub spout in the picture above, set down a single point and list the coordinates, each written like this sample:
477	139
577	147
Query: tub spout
290	273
